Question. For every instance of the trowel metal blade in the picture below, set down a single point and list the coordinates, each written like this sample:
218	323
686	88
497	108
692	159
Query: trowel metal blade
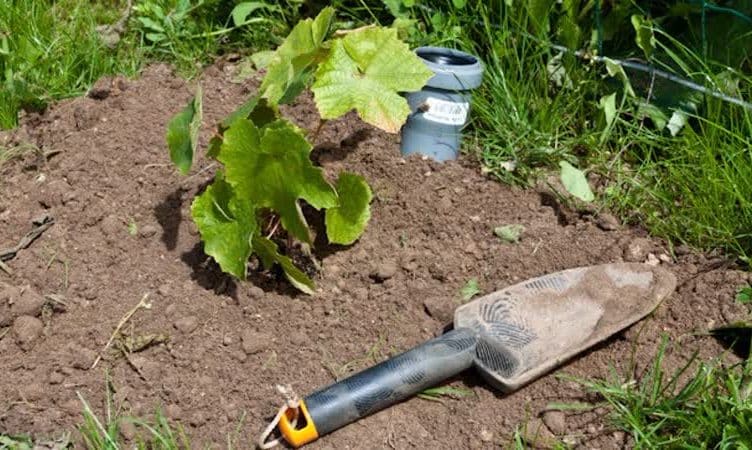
532	327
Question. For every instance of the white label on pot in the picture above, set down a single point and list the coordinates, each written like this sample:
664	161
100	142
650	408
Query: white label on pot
448	113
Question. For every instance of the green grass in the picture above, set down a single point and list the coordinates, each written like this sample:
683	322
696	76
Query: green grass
699	405
51	50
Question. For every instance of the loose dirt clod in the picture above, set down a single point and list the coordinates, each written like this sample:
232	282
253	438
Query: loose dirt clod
186	324
27	330
384	271
254	342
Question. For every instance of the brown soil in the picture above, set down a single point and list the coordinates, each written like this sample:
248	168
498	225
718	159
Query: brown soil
231	342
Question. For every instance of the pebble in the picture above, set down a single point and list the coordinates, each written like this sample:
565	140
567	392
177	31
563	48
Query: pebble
27	330
439	308
147	231
227	340
255	292
187	324
485	435
298	338
164	290
607	222
537	434
637	250
556	421
127	430
253	342
652	260
384	271
173	411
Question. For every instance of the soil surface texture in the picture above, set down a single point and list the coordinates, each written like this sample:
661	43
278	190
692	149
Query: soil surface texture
209	350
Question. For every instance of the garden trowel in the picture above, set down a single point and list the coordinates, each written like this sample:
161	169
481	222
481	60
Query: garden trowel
511	337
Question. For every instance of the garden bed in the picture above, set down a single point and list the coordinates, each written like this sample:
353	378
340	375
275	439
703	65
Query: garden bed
122	229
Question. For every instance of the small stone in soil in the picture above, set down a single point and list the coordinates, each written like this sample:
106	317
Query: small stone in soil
27	330
384	271
127	430
556	422
173	411
254	342
147	231
439	308
485	435
607	222
187	324
537	434
637	250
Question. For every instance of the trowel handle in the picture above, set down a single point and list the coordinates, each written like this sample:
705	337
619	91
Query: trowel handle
380	386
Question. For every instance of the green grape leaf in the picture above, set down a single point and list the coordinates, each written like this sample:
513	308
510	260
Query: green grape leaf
227	225
271	168
575	183
294	61
347	221
258	110
644	37
182	133
365	71
269	255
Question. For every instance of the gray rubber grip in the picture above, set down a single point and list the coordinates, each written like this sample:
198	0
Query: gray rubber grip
392	380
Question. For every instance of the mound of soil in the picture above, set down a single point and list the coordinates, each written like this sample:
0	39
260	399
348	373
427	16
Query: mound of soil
210	350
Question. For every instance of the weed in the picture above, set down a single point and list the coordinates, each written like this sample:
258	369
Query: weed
469	290
707	408
436	394
51	50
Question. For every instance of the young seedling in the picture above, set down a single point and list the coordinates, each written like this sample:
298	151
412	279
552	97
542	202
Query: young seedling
253	206
469	290
509	233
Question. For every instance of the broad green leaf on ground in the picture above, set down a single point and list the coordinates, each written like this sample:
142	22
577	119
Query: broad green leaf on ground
293	62
644	37
365	71
509	233
226	224
269	255
744	295
470	289
575	183
271	168
182	133
616	70
608	105
346	221
242	10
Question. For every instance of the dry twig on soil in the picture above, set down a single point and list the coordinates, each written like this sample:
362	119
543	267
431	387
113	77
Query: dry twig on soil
141	304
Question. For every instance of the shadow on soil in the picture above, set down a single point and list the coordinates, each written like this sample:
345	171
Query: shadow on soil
169	216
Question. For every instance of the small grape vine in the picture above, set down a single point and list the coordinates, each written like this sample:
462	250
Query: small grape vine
266	166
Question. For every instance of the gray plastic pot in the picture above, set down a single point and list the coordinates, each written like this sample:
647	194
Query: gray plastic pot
440	110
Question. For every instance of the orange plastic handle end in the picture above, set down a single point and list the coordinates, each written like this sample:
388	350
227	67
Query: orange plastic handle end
298	437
